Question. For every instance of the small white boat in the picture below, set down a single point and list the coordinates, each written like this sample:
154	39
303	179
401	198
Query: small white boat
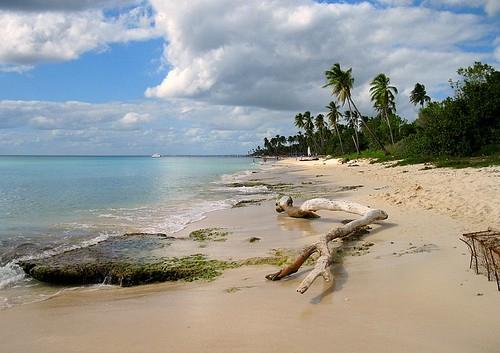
156	155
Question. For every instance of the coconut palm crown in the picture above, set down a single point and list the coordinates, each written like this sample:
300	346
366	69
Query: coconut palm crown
419	95
383	97
341	82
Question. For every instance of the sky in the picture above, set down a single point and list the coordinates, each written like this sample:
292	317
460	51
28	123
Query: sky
215	76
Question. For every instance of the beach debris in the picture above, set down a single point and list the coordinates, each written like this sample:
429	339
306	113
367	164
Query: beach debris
349	187
484	247
237	289
209	234
232	290
245	203
253	239
286	205
418	249
325	259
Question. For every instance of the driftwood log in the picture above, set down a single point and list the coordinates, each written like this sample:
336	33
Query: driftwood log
307	210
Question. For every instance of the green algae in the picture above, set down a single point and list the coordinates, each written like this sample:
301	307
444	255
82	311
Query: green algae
187	268
209	234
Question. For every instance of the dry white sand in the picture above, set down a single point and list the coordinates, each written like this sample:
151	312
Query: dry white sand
413	292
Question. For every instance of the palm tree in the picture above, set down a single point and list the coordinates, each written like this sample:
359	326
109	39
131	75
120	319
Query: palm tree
300	140
352	119
299	121
383	96
319	122
281	140
333	118
341	82
419	95
291	140
273	142
267	145
309	127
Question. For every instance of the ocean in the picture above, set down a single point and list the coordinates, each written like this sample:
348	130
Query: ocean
50	204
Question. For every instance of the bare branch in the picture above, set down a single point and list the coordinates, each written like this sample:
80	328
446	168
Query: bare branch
324	261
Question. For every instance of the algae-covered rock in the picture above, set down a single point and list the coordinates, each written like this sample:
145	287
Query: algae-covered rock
209	234
256	183
187	268
125	260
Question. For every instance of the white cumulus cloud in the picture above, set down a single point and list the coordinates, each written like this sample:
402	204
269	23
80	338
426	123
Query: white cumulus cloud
491	7
133	120
273	54
29	38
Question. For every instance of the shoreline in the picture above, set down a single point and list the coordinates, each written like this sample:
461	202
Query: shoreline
412	292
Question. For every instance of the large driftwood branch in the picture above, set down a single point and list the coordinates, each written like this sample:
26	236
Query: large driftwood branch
306	210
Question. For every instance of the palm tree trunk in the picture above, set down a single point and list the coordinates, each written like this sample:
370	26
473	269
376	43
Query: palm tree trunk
355	144
368	128
340	139
355	125
389	125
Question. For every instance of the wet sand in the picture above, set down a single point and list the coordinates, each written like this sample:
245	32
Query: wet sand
413	292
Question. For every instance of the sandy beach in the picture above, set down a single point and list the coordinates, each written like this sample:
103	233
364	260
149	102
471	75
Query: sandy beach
411	292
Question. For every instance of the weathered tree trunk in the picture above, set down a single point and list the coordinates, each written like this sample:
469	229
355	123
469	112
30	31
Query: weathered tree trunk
324	261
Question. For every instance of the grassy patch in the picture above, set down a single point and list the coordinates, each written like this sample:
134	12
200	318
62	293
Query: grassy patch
486	160
453	162
209	234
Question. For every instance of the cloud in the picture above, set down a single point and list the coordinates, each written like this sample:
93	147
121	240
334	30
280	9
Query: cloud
42	122
133	120
238	71
29	38
58	5
273	54
396	2
134	128
491	7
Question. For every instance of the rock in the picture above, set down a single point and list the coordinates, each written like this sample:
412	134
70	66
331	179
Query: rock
125	260
209	234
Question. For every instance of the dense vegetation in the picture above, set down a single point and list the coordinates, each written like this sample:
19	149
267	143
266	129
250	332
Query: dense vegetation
464	125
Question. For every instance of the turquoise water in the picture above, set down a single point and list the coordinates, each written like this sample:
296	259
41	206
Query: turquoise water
50	203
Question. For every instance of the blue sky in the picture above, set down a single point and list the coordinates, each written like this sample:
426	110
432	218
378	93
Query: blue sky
121	72
214	77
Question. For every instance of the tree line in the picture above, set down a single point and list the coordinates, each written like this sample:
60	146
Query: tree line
465	124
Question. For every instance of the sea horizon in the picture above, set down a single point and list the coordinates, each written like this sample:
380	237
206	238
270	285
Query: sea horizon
124	155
